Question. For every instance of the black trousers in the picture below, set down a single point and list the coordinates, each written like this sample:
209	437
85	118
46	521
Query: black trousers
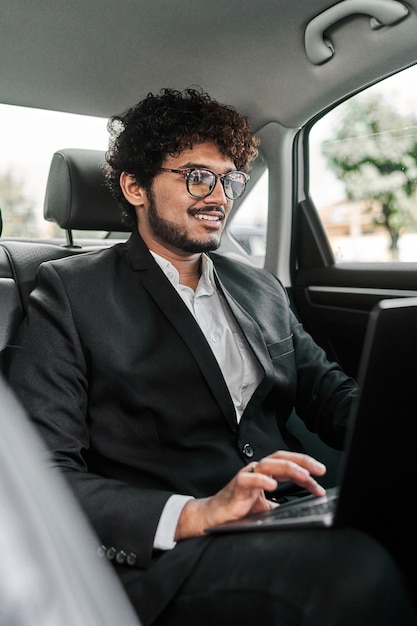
288	578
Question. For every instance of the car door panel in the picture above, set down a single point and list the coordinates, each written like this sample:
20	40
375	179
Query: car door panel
333	300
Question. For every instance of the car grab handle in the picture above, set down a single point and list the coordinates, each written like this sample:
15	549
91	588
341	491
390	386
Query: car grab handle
382	12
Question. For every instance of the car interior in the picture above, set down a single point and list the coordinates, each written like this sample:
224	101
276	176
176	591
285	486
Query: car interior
331	205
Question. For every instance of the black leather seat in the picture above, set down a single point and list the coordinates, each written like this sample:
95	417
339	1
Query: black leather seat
76	199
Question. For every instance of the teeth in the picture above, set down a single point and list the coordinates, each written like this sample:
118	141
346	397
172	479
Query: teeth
210	218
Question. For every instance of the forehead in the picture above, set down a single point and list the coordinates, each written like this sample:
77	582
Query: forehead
205	154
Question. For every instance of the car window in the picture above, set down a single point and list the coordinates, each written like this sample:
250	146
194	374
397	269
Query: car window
363	172
29	137
249	223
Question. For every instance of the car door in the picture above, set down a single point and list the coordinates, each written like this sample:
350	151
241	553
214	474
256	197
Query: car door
355	220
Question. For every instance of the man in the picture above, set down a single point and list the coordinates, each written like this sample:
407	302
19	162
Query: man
162	376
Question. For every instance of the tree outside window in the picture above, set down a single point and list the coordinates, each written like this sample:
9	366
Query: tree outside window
373	151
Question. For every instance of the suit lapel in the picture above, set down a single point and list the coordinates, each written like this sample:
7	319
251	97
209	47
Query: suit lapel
252	332
177	313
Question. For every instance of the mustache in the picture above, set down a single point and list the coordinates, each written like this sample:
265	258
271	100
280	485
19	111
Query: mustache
212	209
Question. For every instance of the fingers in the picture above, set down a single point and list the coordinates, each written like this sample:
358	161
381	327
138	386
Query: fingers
303	460
284	466
250	478
245	493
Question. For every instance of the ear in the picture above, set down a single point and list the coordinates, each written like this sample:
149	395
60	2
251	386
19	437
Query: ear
133	193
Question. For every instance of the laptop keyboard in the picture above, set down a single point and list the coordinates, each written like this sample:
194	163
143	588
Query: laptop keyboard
319	506
305	507
312	510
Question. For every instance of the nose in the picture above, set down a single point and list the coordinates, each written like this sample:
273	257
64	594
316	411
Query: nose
217	196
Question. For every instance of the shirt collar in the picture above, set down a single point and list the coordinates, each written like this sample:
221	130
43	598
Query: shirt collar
206	284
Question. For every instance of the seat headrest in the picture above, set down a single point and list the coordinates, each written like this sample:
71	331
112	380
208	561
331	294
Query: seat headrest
76	195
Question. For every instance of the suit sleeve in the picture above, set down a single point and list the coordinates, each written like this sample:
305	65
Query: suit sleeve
49	373
324	392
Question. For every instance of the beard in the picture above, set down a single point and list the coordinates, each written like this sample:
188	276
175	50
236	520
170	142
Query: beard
174	235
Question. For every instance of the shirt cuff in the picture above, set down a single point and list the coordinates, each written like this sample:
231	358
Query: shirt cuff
165	532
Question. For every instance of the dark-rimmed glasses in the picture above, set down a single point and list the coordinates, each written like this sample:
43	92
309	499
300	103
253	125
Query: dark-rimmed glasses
201	181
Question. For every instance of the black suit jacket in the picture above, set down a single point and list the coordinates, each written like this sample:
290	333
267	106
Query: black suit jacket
130	399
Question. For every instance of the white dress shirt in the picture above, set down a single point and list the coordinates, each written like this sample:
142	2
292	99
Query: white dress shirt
241	369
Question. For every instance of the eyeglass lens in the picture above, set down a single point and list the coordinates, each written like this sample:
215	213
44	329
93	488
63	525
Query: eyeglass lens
200	183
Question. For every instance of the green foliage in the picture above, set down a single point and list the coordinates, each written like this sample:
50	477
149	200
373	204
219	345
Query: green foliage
374	153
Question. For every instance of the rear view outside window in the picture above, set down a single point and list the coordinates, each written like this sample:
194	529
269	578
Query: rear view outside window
29	137
248	227
363	172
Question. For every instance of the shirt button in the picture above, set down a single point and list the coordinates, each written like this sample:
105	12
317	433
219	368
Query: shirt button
248	451
215	337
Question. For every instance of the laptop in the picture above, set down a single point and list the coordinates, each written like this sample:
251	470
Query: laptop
378	470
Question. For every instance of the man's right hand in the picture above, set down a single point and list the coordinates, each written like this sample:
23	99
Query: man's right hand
245	493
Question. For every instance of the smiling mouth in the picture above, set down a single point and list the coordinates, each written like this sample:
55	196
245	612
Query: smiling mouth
214	217
208	218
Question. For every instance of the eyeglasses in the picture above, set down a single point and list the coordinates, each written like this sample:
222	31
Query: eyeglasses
201	182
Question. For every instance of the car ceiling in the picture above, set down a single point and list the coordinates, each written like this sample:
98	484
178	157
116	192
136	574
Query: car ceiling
99	57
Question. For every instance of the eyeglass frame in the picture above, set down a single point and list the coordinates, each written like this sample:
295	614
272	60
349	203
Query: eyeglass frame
188	171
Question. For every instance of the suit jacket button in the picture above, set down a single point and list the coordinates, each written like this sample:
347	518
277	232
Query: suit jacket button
111	553
101	551
248	451
121	557
131	558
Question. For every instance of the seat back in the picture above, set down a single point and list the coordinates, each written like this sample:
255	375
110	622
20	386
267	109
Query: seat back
76	198
19	262
76	195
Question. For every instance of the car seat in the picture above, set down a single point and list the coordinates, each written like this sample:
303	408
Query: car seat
76	198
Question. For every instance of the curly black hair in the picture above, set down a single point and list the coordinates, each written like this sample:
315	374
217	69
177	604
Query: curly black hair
166	124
